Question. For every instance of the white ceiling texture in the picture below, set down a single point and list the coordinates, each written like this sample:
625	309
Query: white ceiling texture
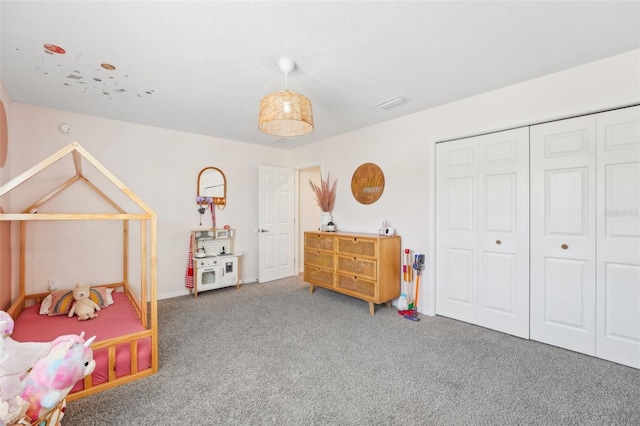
203	66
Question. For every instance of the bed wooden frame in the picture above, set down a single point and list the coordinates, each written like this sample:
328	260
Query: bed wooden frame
148	259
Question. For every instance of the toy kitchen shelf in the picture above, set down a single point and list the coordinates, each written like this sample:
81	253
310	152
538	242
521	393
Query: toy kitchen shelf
215	265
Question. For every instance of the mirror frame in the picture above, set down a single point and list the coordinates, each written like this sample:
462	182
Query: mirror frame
220	202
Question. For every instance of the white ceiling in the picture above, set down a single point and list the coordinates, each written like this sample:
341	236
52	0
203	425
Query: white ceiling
203	66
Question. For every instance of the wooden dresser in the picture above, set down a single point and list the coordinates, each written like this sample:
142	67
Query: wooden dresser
366	266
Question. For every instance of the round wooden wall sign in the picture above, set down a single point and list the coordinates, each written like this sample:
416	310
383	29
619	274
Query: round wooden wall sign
367	183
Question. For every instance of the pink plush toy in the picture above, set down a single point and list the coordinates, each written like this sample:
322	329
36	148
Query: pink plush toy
52	377
16	358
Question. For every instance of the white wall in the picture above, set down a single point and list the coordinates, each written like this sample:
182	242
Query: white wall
308	210
404	148
161	167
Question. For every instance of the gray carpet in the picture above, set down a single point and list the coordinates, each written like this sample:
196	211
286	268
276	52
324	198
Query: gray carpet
274	354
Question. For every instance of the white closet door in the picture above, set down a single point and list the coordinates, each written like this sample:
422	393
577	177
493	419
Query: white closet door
618	223
503	240
482	210
563	233
456	230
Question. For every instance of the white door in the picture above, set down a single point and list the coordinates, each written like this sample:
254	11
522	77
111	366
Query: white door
503	240
276	233
618	224
456	230
482	211
563	233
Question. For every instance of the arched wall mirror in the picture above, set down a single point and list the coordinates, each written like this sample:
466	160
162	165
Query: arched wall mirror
213	183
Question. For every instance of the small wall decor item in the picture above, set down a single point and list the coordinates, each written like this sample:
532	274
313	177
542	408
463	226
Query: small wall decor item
212	185
367	183
202	201
326	199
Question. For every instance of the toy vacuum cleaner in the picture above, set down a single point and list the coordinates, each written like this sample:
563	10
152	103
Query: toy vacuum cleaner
411	313
403	303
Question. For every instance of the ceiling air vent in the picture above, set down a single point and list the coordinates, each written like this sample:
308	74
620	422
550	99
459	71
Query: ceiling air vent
388	104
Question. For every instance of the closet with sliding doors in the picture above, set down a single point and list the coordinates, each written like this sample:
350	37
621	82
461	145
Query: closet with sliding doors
538	233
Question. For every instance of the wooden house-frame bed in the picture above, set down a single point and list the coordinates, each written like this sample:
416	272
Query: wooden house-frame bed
120	358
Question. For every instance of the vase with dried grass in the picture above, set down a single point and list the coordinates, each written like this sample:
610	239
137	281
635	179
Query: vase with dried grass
326	198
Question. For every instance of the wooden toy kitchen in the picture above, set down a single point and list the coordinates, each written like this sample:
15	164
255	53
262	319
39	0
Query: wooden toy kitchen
215	265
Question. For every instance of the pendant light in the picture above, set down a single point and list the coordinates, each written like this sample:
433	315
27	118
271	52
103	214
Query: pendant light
285	113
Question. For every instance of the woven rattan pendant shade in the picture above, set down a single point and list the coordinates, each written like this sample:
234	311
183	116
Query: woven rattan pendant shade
285	113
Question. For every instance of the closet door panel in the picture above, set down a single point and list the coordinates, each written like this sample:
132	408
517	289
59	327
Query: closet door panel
563	233
618	227
460	278
567	202
498	262
566	287
621	200
459	195
499	270
482	274
456	235
503	234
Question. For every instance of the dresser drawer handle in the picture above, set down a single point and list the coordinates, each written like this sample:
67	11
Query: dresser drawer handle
564	247
498	242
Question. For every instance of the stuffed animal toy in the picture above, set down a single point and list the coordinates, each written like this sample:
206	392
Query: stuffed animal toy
84	307
16	358
52	377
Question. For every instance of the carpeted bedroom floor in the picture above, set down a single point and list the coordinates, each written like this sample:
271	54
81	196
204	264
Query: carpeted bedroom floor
273	354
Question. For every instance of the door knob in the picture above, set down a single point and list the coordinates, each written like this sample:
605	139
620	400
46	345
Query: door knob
263	230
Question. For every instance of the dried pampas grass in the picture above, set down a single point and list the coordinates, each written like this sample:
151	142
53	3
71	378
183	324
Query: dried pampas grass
325	193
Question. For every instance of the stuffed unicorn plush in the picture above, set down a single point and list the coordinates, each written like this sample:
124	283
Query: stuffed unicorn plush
16	358
52	377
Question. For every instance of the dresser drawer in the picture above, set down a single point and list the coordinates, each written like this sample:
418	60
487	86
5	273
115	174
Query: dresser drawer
363	267
319	258
318	276
357	246
319	241
357	285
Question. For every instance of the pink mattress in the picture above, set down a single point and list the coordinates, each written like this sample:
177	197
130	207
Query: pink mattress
116	320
